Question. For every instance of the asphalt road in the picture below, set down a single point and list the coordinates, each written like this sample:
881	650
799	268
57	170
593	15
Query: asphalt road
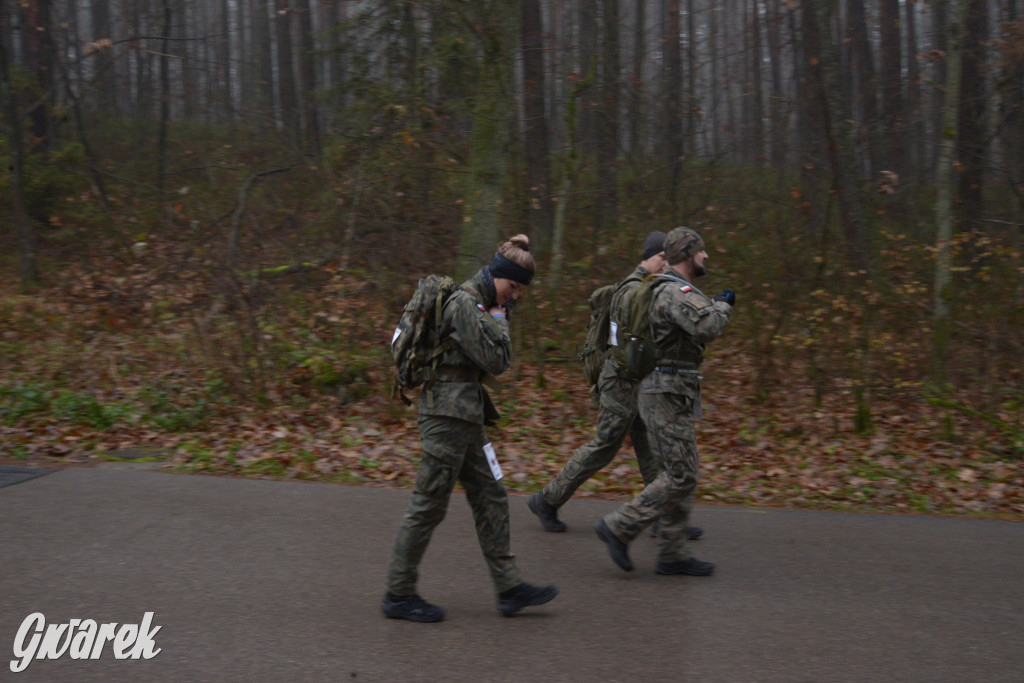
281	581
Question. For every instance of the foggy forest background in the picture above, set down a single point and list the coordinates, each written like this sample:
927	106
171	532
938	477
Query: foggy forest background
214	210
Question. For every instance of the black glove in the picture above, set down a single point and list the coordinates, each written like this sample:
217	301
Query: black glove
728	296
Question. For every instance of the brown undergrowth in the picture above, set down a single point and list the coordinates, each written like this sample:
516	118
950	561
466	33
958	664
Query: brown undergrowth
105	365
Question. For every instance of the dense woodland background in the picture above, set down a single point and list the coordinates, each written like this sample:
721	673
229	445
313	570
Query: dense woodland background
213	211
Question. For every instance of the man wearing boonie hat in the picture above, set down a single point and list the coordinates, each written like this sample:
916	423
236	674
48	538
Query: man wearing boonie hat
682	320
616	417
617	413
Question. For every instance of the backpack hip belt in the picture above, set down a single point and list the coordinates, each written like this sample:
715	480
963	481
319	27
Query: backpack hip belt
458	373
687	369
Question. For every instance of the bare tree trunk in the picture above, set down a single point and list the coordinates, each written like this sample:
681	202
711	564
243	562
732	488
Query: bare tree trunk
944	193
104	88
537	150
971	134
559	82
489	146
39	55
756	100
263	68
672	94
1013	107
691	105
340	65
206	78
28	268
778	122
224	57
746	118
915	120
568	183
914	116
809	148
142	93
285	76
307	72
245	54
838	143
608	144
837	136
70	47
587	130
892	87
184	48
734	121
714	35
940	31
76	110
863	85
165	96
636	81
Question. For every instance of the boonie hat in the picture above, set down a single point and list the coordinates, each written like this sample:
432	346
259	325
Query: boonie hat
682	243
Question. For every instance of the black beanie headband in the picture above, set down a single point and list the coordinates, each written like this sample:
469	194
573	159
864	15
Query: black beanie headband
503	267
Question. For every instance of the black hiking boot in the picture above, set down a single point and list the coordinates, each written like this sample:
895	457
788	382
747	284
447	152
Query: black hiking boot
547	514
618	550
692	532
524	595
411	607
691	566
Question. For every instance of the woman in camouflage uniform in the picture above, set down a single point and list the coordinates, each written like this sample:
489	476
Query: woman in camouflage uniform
452	414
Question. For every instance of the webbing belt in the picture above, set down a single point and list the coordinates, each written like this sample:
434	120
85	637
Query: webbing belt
673	370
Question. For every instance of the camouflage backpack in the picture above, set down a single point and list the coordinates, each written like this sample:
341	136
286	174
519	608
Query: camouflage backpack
598	341
635	354
595	344
415	345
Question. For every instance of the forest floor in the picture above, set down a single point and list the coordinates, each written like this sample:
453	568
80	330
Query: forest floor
112	365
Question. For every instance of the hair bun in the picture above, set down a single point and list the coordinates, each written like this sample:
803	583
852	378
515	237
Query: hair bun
521	241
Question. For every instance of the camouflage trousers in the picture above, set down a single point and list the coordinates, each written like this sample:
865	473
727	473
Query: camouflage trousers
613	423
673	440
453	452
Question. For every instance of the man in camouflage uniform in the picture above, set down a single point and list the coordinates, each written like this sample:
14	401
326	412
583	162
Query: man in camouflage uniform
452	414
617	413
682	320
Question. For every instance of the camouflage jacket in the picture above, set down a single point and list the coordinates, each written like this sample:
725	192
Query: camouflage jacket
482	345
683	321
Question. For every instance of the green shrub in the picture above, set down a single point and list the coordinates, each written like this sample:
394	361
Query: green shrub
21	400
85	409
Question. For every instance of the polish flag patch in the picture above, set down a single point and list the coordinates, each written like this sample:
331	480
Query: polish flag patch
481	307
685	288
